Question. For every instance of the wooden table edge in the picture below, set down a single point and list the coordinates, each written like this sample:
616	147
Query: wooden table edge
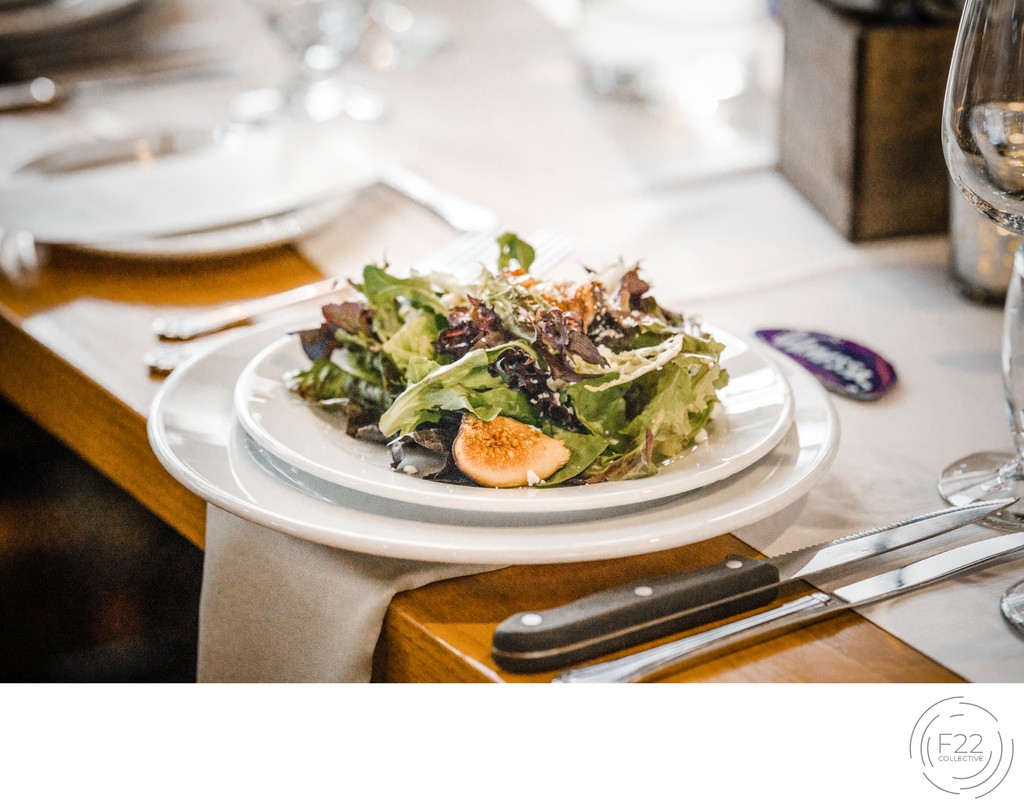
90	420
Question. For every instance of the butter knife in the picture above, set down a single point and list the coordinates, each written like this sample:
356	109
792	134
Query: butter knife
646	609
44	91
797	613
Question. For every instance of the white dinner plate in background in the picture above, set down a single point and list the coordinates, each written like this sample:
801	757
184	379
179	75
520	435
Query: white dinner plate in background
259	234
189	192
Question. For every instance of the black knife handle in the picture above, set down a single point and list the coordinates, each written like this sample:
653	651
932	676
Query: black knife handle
632	613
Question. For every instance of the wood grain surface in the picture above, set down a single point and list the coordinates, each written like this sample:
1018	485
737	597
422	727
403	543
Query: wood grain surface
442	632
72	347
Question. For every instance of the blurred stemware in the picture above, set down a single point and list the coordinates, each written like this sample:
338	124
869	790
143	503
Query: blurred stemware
983	139
398	33
697	61
322	38
1012	606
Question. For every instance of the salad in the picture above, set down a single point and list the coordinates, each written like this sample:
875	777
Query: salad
513	380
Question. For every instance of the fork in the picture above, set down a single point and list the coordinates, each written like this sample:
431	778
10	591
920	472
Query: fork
459	256
455	255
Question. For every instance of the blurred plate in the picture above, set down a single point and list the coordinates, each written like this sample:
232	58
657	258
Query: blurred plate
269	231
20	19
188	192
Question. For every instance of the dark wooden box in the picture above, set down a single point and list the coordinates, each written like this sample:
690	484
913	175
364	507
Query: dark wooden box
861	110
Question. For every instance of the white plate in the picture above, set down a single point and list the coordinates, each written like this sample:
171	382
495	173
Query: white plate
49	18
259	234
191	192
756	411
194	433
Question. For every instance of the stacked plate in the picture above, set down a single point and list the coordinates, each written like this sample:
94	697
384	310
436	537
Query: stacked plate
225	426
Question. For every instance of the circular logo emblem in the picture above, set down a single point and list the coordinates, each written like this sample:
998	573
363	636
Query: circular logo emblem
960	748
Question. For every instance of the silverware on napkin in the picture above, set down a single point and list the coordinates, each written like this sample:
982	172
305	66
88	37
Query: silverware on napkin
797	613
646	609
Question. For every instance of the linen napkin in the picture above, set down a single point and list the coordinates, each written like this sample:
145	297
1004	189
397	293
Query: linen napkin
279	609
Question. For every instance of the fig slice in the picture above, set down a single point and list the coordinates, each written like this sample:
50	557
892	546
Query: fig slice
504	453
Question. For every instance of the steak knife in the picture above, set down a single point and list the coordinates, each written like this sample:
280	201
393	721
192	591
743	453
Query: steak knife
642	610
797	613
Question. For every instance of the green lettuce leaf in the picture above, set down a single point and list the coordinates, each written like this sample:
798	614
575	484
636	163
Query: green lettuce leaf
387	295
418	368
464	385
677	409
631	465
325	379
648	420
510	247
584	449
414	340
601	409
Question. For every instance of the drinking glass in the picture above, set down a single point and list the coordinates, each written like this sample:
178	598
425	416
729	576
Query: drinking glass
983	140
398	33
322	37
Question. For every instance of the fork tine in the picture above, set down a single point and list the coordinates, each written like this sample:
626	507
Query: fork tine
478	255
459	253
469	251
551	247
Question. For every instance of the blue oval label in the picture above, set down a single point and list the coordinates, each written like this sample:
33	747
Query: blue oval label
842	366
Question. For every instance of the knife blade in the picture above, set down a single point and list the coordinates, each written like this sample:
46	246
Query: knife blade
797	613
43	91
645	609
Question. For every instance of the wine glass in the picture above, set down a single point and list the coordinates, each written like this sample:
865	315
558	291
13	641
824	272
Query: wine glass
322	37
983	140
398	33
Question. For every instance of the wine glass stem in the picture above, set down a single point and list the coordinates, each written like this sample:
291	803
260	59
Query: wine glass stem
1013	355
